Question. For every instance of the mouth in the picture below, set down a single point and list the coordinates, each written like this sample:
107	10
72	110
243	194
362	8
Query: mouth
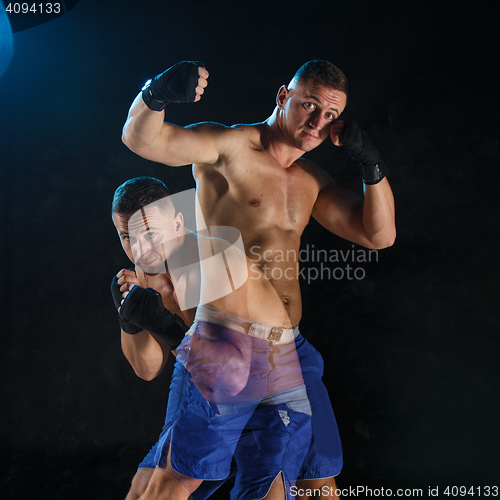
149	263
312	136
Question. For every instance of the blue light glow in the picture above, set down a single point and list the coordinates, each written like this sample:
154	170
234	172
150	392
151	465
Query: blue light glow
6	41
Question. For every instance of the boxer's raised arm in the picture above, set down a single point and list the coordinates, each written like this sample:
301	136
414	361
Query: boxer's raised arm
145	131
368	222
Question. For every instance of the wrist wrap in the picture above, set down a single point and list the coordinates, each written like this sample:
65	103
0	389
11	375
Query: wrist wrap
144	307
125	325
177	84
373	174
361	148
174	334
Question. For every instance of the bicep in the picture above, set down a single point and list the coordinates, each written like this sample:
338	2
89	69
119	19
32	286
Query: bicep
339	211
146	133
336	208
177	146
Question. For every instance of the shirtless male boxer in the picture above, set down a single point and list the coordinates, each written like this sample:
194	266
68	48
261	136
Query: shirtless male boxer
252	177
256	376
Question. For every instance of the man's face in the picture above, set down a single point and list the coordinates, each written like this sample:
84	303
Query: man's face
149	237
306	112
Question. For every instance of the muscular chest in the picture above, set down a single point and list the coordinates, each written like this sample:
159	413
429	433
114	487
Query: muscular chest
258	192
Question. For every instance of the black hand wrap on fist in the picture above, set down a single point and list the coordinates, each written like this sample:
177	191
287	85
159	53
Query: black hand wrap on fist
361	148
125	325
144	307
176	84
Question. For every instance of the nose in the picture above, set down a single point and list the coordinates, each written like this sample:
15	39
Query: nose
141	248
316	121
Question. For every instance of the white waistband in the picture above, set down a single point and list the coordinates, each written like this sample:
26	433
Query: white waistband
274	334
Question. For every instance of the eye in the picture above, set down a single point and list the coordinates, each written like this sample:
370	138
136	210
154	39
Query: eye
128	241
309	105
330	116
150	235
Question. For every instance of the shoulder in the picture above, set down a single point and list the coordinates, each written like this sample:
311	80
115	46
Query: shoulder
220	129
316	172
207	127
230	140
254	133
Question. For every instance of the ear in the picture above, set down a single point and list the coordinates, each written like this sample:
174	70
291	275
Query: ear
282	96
179	223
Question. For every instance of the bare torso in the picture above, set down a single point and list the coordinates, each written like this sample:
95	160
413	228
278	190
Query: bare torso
256	298
270	205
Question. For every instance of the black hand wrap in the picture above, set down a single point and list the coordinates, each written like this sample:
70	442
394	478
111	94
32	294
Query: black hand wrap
125	325
361	148
176	84
144	307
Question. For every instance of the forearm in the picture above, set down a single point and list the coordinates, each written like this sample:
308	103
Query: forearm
145	354
373	219
378	215
368	222
143	126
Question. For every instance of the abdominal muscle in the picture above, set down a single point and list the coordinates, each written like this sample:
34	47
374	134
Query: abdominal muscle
256	300
266	368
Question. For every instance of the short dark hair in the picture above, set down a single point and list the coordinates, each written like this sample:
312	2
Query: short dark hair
324	72
136	193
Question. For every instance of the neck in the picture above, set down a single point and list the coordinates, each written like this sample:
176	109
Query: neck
276	144
185	255
186	279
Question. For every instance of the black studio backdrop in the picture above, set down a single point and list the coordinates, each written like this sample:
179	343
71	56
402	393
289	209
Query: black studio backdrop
410	350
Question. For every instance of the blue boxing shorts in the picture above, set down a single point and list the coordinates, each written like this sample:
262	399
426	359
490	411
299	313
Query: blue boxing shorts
179	392
324	457
323	453
269	417
261	437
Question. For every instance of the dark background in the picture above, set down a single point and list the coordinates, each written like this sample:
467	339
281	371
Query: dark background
411	351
